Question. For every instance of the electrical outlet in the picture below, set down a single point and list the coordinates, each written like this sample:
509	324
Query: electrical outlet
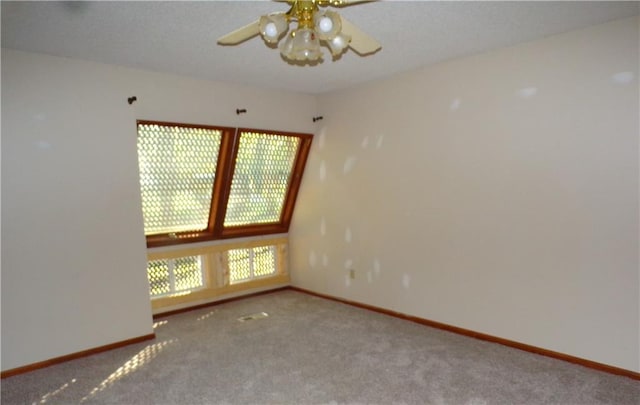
352	274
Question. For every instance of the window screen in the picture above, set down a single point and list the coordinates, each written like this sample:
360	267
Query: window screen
177	171
261	178
167	276
203	183
251	263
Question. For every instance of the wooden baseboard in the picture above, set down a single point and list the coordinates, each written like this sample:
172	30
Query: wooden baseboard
73	356
116	345
461	331
482	336
218	302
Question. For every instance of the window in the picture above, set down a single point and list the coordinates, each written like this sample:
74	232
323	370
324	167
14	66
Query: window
177	170
204	183
193	274
177	275
261	177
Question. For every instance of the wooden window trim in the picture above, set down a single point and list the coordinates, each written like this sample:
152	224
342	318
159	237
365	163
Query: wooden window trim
229	146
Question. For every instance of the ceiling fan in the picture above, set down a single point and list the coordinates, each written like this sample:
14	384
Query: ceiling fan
315	26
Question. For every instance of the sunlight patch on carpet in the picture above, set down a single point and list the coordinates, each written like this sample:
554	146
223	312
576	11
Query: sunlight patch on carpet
252	317
159	323
52	394
143	357
205	316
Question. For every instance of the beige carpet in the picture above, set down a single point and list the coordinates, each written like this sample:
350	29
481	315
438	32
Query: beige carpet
313	351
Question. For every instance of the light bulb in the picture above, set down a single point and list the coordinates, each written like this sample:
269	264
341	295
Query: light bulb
339	43
273	26
271	30
325	24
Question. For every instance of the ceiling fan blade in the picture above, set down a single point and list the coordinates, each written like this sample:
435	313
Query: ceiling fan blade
340	3
332	3
362	43
241	34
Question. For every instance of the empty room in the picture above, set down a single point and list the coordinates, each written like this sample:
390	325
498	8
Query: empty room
320	201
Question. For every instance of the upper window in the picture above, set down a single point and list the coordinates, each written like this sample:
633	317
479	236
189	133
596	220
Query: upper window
202	182
177	171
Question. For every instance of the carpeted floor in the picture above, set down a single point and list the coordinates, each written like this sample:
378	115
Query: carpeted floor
313	351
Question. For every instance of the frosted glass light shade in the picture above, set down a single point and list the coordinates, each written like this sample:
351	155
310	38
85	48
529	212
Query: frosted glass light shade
327	24
272	27
339	43
302	44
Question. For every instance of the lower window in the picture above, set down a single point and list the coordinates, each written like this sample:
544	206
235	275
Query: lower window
200	274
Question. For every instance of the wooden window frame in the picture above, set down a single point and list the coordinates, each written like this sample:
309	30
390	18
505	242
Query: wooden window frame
227	155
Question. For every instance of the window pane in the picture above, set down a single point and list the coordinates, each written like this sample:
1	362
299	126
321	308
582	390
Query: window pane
168	276
188	273
159	279
251	263
261	178
239	265
177	172
264	261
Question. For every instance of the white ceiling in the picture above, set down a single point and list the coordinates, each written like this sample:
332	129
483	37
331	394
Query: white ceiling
180	37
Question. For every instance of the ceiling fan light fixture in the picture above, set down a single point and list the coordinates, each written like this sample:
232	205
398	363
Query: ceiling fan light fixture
272	26
301	45
314	26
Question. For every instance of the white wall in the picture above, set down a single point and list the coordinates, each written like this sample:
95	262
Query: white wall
73	248
497	193
456	193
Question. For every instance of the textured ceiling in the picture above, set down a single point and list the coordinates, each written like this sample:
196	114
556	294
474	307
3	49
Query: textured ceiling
180	37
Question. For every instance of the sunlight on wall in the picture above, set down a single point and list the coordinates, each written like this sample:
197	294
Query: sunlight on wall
143	357
376	267
455	104
312	259
322	137
323	171
622	77
349	164
348	236
527	92
406	281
